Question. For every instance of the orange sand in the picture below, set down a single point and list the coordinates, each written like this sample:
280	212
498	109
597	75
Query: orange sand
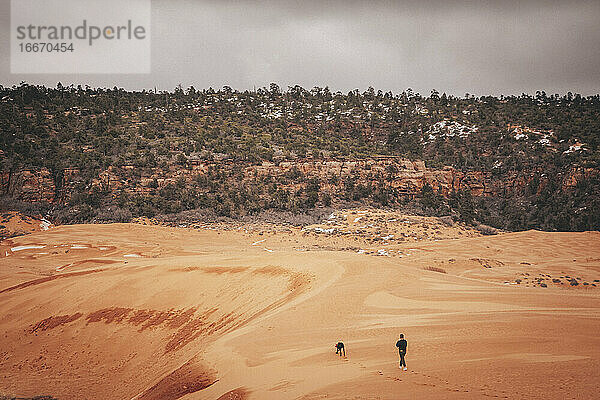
127	311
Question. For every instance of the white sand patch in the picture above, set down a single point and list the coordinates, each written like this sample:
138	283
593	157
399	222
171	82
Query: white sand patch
357	219
19	248
269	250
131	255
382	253
103	248
78	246
257	242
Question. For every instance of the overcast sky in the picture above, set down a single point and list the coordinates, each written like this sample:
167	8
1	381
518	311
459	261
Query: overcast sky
458	47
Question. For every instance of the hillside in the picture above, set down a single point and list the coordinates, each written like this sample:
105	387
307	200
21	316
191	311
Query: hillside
83	155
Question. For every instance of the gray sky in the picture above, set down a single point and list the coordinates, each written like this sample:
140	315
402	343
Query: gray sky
479	47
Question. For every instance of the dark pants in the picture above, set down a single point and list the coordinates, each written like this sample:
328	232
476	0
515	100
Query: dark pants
402	362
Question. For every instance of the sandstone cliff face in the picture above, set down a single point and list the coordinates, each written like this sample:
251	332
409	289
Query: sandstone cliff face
406	177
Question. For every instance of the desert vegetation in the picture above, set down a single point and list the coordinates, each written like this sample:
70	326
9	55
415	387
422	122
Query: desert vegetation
79	154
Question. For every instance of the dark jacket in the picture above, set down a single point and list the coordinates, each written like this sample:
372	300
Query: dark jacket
402	345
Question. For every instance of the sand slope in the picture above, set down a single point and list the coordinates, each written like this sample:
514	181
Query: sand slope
128	311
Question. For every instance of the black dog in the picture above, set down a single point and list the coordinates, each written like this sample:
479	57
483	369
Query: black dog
339	348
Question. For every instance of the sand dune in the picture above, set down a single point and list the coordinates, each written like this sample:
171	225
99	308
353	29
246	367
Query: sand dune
212	315
13	223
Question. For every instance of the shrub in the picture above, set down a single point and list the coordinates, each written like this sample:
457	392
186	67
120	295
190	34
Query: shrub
486	229
435	269
447	220
113	214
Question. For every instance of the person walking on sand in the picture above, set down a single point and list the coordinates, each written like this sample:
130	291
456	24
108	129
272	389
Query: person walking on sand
401	344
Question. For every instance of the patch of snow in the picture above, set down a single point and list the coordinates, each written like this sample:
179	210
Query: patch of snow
269	250
45	224
321	230
388	237
382	253
257	242
574	147
357	219
78	246
544	141
131	255
19	248
448	128
522	132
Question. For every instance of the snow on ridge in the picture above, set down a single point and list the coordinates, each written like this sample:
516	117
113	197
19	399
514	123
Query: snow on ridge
575	147
447	128
523	132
